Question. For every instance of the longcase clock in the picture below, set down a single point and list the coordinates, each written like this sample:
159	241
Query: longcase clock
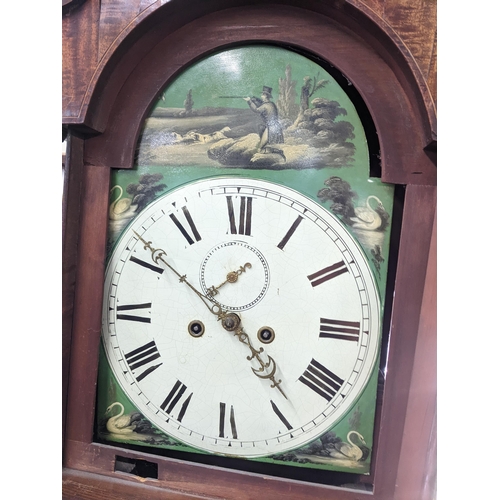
255	228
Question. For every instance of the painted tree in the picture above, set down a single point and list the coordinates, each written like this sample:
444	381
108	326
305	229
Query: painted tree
146	190
310	87
287	105
189	103
339	193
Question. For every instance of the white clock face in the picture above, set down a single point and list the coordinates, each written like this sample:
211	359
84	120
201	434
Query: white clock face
301	287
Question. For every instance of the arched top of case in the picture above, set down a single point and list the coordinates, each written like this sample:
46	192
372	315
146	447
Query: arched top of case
164	39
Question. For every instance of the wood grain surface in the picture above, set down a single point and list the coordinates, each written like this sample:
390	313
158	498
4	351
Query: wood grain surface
92	33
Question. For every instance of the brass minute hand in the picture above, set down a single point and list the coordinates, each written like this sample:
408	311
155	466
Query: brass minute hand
157	256
231	322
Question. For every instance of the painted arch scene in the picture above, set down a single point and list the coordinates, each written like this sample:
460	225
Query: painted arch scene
253	107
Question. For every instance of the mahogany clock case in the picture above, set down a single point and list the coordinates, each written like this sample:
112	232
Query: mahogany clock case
140	68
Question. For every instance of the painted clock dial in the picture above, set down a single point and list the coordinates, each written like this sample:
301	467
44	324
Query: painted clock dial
296	279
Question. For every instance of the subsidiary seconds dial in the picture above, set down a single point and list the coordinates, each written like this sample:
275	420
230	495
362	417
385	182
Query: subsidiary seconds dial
240	317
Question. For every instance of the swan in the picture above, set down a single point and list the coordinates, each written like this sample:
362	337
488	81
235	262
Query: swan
350	450
368	218
121	208
120	424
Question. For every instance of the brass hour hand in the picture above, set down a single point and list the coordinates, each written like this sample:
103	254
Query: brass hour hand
231	277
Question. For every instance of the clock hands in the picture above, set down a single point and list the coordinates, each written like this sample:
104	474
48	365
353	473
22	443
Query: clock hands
157	255
230	321
231	277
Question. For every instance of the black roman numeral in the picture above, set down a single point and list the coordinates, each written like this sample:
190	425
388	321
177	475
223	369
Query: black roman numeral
290	232
184	408
245	216
142	356
183	230
222	421
132	317
174	396
147	265
328	273
321	380
281	416
342	330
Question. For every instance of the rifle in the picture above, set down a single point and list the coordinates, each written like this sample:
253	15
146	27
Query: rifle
255	100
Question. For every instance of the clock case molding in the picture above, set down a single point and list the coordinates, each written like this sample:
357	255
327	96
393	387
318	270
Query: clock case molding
103	133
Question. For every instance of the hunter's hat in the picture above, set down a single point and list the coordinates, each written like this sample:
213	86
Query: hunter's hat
267	90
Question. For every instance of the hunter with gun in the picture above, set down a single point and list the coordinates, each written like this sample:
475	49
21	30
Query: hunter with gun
270	131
